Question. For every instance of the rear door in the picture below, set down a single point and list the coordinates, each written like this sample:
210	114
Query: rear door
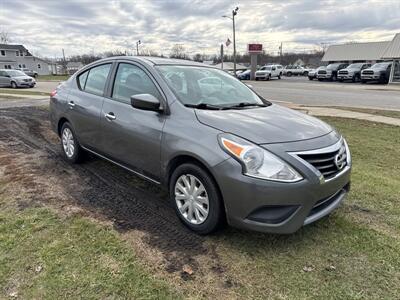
85	104
132	136
4	80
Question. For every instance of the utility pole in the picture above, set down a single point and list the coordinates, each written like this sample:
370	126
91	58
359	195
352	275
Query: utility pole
280	52
64	62
234	13
222	56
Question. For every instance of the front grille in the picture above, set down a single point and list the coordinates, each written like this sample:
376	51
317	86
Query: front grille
368	72
321	72
328	163
343	72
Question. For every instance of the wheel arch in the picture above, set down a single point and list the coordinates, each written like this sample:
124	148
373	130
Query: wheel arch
60	124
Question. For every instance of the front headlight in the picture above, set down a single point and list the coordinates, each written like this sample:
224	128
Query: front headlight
256	161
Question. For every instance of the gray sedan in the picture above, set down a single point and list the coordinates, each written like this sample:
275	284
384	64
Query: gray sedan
15	79
224	153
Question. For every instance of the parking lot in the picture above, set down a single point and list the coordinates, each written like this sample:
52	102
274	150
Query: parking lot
300	90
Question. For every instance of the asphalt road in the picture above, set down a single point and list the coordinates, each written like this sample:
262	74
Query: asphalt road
300	90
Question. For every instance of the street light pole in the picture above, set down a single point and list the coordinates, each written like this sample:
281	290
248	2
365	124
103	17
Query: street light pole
137	47
234	13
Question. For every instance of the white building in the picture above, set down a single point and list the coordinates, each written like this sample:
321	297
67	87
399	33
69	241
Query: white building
17	56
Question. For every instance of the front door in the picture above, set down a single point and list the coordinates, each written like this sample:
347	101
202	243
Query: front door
4	80
132	136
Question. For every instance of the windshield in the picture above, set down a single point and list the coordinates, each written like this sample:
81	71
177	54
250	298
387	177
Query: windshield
380	66
332	66
202	85
15	73
355	66
265	68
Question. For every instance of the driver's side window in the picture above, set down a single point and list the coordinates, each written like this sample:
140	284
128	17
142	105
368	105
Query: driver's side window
131	80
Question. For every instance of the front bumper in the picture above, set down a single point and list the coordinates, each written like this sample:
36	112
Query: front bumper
345	77
25	84
324	76
370	77
276	207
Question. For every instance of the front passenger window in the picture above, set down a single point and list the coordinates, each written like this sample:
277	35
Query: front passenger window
131	80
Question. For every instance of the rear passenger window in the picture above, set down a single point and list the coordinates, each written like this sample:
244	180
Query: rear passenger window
131	80
96	80
82	80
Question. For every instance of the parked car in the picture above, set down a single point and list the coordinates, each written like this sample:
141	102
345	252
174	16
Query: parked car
295	70
378	72
28	72
312	74
245	75
269	71
229	155
352	72
15	79
330	72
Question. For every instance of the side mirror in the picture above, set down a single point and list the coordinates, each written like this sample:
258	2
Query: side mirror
146	102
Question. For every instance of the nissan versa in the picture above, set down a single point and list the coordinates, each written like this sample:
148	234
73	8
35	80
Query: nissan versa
222	151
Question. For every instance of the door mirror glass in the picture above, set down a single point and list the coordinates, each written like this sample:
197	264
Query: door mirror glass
145	102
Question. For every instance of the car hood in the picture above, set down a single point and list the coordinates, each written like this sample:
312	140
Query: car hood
272	124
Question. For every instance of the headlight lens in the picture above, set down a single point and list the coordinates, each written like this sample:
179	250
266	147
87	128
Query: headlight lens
256	161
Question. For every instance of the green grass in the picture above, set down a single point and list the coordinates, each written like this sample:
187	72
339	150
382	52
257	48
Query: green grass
378	112
52	77
45	257
23	92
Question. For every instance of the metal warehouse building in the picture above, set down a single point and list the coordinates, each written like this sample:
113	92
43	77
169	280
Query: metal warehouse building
368	52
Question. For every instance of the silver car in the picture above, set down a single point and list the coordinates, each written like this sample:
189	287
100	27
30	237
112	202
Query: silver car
223	152
15	79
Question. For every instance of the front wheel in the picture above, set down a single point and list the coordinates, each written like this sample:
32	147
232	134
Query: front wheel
196	199
69	144
13	85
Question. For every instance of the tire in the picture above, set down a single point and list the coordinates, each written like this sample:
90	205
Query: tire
256	79
279	76
199	222
310	78
363	81
340	80
320	79
305	73
269	77
288	74
77	154
13	85
334	78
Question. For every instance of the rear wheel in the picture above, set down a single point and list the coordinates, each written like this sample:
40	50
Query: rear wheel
289	74
71	149
196	199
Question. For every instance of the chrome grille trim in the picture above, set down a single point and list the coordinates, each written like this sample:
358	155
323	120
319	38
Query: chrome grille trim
322	161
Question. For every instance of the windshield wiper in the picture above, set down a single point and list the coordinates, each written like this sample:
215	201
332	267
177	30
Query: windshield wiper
205	106
246	104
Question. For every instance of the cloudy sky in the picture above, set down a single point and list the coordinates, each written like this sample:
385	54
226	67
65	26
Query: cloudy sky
85	26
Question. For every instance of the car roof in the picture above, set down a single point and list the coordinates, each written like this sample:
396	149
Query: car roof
156	60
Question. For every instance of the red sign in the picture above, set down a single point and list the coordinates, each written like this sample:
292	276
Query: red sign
254	48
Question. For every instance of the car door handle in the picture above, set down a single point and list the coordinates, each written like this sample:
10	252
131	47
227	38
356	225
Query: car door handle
71	104
110	116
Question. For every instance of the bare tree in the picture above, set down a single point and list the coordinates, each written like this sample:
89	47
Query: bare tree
4	38
178	51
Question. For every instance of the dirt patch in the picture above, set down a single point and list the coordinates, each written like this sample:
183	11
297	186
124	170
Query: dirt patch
35	174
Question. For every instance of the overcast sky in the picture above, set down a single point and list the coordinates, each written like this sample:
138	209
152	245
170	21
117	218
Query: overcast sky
85	26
